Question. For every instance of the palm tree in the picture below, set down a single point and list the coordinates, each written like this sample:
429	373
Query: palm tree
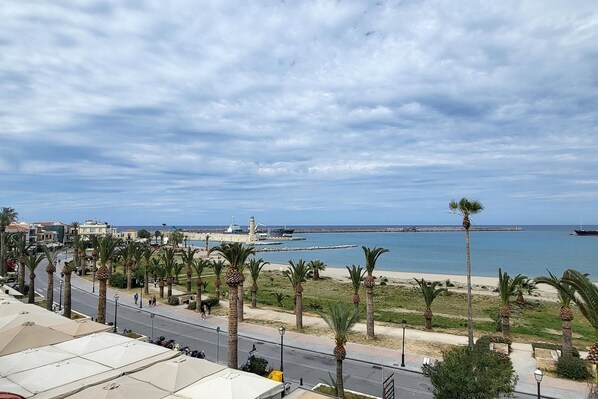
178	268
566	293
50	269
528	287
236	254
430	292
279	297
157	234
158	268
95	251
356	274
127	253
176	237
7	216
22	248
106	247
148	252
217	265
586	298
316	266
340	317
75	243
31	262
199	265
297	274
371	256
507	287
169	262
255	267
187	258
67	269
466	208
241	293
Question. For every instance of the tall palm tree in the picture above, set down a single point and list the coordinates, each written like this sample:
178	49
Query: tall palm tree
94	241
507	287
340	317
22	249
466	208
187	258
586	298
106	248
178	268
566	293
148	252
67	269
158	268
199	265
316	266
371	257
356	274
255	267
7	216
297	274
75	243
127	253
430	292
50	269
241	293
217	265
236	254
31	262
169	262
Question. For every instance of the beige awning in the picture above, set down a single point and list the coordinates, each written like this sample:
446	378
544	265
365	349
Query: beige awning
29	335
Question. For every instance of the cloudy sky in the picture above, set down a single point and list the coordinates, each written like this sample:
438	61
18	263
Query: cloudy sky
299	112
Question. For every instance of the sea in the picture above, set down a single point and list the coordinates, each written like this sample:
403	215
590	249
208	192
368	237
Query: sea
531	251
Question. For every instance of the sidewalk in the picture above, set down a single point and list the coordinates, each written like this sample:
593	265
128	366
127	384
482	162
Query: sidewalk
521	356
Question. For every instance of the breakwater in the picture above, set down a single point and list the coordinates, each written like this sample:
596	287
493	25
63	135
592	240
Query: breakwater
410	229
283	249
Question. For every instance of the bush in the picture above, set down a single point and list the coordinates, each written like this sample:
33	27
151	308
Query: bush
573	368
192	305
118	280
486	340
174	300
554	347
257	365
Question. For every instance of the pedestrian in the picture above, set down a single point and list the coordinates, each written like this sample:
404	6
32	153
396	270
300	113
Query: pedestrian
209	308
154	300
203	310
136	297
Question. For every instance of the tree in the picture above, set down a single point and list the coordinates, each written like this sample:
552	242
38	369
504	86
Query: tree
356	274
75	242
169	262
127	253
158	268
473	373
7	217
199	265
340	317
528	287
255	267
586	298
235	254
50	269
158	234
316	266
31	262
105	250
148	253
466	208
297	274
22	249
566	294
507	287
176	237
217	265
144	234
67	269
371	257
187	258
241	293
429	292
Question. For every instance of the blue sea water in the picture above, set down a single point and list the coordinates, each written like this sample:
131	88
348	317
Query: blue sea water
530	252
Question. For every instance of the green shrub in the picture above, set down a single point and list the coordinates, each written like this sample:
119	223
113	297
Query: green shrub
486	340
573	368
118	280
192	305
554	347
174	300
257	365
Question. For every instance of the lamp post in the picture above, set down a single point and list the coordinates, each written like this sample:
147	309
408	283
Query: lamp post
115	310
141	297
281	331
404	324
152	315
60	297
217	344
93	280
538	375
207	241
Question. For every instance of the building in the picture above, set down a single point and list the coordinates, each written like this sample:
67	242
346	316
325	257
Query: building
94	228
61	229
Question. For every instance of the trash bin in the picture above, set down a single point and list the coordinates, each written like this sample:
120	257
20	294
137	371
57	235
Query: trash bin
275	375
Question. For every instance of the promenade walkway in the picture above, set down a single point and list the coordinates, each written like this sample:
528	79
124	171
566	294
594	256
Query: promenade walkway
521	355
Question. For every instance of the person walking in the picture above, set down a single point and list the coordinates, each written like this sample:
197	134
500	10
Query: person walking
136	297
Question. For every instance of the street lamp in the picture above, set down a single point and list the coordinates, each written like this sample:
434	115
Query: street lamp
60	297
217	344
207	241
538	375
281	331
93	280
404	324
141	297
152	315
115	309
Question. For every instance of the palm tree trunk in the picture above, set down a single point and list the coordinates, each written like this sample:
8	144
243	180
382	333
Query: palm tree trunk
469	298
254	298
2	253
198	298
161	284
67	294
22	277
217	290
240	302
102	303
50	292
169	287
567	342
31	288
428	317
232	326
340	389
188	284
129	276
506	326
369	302
299	310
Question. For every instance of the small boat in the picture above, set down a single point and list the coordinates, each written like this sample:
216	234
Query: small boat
582	232
234	228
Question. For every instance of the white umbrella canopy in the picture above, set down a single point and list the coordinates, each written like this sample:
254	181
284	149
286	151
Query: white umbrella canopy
126	353
121	388
7	385
176	374
56	374
30	359
81	327
29	335
45	319
12	306
92	343
232	384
